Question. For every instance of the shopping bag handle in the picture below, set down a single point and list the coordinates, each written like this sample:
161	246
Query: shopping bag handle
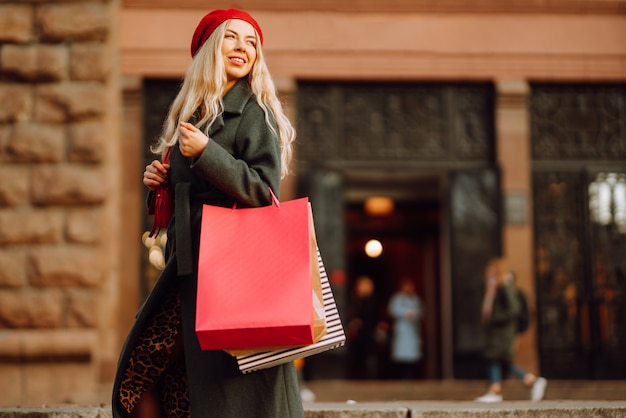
274	198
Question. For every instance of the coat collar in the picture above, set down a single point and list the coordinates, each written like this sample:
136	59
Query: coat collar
234	102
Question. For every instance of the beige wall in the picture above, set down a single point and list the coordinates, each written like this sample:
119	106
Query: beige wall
406	46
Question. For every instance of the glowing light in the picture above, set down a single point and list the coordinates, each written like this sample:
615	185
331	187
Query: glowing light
373	248
379	206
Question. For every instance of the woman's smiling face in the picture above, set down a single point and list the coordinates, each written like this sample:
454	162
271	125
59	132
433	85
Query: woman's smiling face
238	50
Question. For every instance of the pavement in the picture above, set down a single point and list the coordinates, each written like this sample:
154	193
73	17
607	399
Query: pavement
460	390
420	399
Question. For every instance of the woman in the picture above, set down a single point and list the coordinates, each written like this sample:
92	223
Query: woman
405	309
229	141
499	314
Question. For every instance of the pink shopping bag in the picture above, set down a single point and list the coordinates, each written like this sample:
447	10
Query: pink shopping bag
255	277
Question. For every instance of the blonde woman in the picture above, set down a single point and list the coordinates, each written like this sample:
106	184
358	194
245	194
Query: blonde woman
228	141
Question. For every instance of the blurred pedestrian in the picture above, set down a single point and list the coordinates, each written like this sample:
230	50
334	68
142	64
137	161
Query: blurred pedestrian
536	384
405	309
500	311
361	328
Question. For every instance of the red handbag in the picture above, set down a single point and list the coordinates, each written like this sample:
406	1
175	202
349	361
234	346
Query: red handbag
161	204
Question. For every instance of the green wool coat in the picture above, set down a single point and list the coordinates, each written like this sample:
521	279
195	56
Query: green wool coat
240	161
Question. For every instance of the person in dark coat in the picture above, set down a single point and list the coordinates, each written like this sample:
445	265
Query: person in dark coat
499	314
362	319
229	141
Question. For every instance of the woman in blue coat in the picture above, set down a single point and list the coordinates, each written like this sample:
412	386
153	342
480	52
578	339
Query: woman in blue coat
229	141
405	309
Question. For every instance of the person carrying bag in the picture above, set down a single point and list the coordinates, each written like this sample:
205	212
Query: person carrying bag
230	142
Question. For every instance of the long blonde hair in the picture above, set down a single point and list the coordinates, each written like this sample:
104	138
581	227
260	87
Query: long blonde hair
203	88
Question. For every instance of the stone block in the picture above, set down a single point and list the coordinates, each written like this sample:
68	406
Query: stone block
57	412
38	383
360	410
14	184
13	267
59	344
16	23
16	102
30	226
31	308
89	61
34	62
61	102
84	226
10	383
78	21
36	143
87	142
19	61
68	185
67	266
82	308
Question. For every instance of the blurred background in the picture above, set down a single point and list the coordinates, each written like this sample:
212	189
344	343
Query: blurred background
432	135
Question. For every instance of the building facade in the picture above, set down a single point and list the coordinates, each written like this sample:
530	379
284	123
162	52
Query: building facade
494	128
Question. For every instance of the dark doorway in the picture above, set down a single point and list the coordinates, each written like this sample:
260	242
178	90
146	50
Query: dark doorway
409	235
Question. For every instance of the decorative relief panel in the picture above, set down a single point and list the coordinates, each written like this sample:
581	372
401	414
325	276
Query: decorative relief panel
578	122
559	255
580	242
394	122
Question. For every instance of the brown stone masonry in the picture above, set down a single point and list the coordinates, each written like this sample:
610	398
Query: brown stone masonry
58	152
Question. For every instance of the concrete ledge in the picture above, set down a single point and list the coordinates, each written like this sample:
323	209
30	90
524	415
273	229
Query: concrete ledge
357	410
56	412
398	409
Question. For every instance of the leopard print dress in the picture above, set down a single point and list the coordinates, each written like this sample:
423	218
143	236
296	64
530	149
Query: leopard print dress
156	361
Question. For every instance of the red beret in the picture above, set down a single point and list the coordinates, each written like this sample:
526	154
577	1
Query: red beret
212	20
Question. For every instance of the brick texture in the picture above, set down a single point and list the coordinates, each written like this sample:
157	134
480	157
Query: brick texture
68	185
16	23
80	21
64	102
86	142
35	62
39	143
14	184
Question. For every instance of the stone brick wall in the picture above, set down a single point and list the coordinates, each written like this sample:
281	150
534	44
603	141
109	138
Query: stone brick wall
59	153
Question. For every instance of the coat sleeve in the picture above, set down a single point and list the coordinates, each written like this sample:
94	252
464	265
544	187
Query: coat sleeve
255	167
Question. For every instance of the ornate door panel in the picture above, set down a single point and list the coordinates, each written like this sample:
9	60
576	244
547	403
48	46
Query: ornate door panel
579	153
607	253
475	236
560	274
355	124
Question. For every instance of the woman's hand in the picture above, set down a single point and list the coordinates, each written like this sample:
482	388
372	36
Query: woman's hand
191	140
155	174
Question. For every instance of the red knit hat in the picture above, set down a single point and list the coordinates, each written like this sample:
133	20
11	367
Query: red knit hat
212	20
